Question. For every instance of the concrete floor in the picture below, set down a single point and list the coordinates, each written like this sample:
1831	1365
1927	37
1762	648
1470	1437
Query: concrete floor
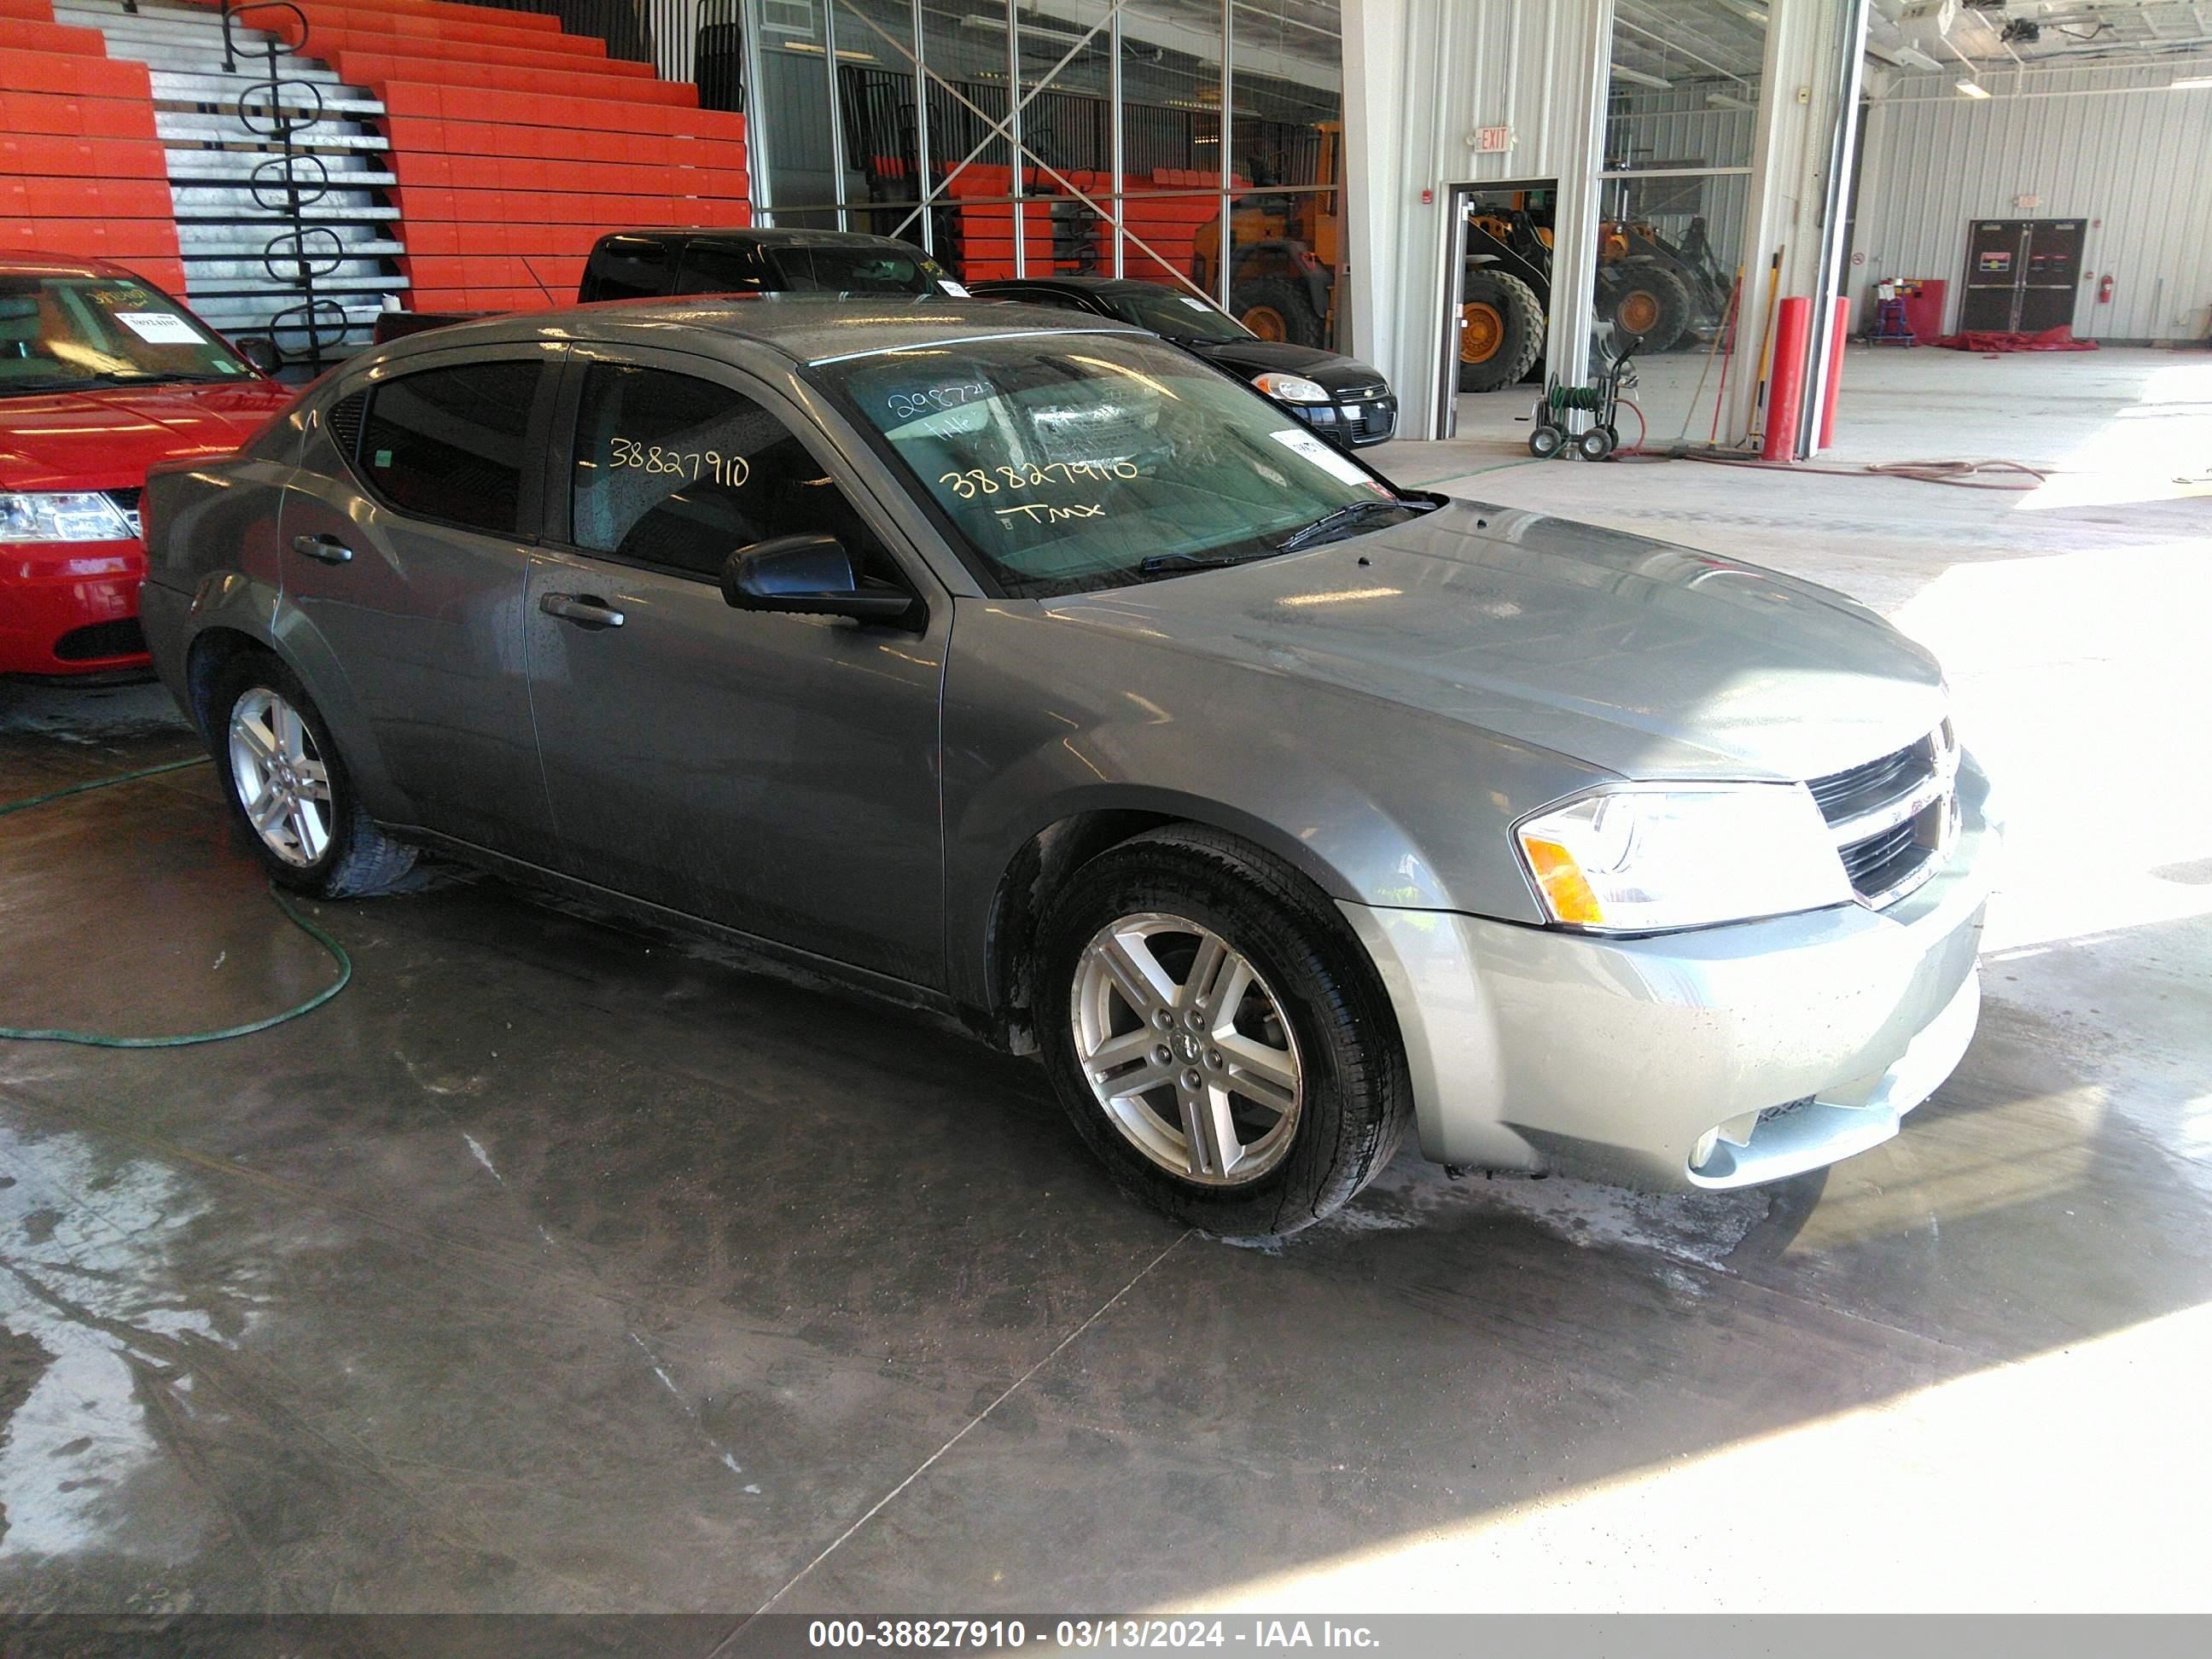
553	1266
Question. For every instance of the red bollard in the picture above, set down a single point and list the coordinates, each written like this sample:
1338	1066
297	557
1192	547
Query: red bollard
1836	336
1786	390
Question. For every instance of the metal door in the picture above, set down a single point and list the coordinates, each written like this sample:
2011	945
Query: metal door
425	619
772	772
2052	281
2022	275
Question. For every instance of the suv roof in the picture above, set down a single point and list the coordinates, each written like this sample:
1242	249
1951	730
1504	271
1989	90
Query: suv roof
807	328
763	235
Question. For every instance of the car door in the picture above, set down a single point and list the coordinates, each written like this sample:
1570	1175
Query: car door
775	773
405	545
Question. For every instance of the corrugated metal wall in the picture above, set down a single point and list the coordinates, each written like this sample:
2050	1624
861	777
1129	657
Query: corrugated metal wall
1680	129
2116	146
1421	76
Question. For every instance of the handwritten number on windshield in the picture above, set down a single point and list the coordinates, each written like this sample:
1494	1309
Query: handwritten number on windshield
980	481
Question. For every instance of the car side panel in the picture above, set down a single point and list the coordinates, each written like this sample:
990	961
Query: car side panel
1046	717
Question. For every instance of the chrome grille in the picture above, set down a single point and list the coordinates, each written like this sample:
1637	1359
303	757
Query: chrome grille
1893	817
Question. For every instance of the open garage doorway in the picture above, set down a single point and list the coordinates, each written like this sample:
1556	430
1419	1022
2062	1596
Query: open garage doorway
1498	317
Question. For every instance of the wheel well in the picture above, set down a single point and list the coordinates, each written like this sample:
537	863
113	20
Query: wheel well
212	652
1049	858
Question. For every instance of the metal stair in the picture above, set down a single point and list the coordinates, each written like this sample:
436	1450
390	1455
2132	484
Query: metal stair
241	239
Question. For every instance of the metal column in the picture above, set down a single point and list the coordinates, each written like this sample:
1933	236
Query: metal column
1014	135
837	116
756	139
1224	241
1114	126
921	134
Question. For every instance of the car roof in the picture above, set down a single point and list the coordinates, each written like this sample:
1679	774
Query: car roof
807	328
13	264
1108	286
765	235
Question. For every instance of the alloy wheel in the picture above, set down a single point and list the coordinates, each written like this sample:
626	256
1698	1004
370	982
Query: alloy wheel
279	775
1186	1049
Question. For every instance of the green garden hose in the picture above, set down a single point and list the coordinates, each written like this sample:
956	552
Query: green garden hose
185	1039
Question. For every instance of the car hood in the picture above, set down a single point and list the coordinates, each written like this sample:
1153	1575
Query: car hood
1631	656
1335	372
105	438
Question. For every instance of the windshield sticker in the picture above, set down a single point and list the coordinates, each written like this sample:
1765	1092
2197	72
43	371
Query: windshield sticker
989	481
1195	305
1044	513
160	327
692	464
954	288
1340	467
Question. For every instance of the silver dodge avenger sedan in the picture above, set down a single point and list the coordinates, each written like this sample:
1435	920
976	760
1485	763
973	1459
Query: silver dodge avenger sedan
1024	668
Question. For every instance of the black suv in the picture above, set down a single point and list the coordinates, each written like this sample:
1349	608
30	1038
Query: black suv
651	264
641	264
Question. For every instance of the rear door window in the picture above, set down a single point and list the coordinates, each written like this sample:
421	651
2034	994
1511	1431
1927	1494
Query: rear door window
452	443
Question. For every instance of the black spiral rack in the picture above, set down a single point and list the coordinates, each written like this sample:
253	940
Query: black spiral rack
279	107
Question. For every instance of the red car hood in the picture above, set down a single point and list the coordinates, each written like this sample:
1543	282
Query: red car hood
105	439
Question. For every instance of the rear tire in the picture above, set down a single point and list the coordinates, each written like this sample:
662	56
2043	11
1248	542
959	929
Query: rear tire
1293	1072
1503	330
289	788
1651	302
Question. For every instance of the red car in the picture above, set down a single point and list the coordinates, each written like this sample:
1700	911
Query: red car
101	375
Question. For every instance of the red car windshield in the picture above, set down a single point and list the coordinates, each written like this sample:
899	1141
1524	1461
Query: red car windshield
59	333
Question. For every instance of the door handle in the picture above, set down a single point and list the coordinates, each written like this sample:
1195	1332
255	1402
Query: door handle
329	548
582	608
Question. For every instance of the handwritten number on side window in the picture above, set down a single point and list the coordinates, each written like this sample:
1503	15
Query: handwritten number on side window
689	465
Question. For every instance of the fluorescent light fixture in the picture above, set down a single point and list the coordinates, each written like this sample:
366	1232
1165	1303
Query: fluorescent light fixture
1725	100
2192	81
1639	78
1915	57
1972	89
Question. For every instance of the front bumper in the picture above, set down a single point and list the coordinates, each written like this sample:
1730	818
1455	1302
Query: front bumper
1351	423
71	607
1715	1058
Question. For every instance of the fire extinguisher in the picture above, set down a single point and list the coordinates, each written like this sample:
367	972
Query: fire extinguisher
2104	290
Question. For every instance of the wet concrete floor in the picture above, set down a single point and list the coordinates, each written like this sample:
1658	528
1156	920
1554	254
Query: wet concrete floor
555	1266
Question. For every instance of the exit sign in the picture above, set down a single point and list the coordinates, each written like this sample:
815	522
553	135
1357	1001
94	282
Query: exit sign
1491	139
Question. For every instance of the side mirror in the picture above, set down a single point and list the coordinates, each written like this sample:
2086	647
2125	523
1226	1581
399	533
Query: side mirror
811	575
261	351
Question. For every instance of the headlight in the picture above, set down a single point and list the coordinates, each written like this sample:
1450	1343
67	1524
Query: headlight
86	518
1290	388
1641	859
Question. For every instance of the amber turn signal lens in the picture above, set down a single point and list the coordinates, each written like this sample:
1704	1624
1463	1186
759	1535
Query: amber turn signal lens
1565	888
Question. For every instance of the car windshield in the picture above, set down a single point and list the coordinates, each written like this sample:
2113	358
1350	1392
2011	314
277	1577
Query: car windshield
60	333
1073	461
1176	315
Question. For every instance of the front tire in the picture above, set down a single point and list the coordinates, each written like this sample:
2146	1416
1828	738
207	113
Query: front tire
1283	1091
289	788
1501	329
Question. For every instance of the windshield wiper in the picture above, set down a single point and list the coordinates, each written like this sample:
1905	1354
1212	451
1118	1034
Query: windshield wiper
1159	564
1342	518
